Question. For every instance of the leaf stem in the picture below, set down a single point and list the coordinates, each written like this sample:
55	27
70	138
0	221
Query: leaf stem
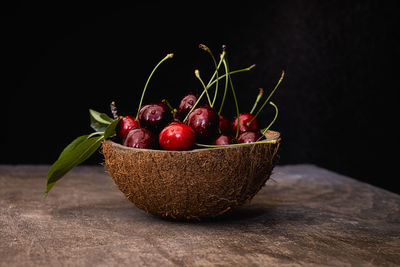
148	79
95	133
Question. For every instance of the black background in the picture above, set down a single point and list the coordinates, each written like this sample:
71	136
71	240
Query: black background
336	102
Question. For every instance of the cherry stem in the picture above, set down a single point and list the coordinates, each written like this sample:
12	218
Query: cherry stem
165	101
173	111
260	94
205	48
230	73
114	111
263	132
241	144
197	74
234	96
147	82
210	84
224	96
266	101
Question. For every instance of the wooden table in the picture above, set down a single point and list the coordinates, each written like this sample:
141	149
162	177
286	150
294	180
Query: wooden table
305	216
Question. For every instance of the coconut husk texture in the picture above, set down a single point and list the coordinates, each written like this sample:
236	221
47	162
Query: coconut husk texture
194	184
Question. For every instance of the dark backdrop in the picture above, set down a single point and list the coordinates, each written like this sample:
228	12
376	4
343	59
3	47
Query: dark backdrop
340	58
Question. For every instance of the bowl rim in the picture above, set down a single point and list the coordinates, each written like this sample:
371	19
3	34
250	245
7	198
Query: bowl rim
273	135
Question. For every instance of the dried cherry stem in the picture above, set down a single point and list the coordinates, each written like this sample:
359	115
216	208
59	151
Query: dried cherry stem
272	122
205	48
114	111
260	94
210	84
197	74
234	96
266	101
148	79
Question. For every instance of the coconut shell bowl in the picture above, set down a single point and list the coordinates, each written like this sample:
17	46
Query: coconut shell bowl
193	184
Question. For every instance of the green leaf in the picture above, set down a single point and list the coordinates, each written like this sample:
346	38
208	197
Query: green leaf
82	147
74	154
99	121
73	144
110	130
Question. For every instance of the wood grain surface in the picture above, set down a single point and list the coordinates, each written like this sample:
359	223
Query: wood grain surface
305	215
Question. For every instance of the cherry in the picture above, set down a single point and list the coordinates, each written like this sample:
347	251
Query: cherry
248	137
225	125
204	121
223	140
126	124
186	105
154	117
177	136
140	138
244	119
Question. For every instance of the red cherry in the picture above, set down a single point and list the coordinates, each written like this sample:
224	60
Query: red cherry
204	121
154	117
244	119
186	105
225	125
126	124
177	136
248	137
140	138
223	140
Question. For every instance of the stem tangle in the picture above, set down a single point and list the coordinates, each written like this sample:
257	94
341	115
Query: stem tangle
197	74
205	48
210	84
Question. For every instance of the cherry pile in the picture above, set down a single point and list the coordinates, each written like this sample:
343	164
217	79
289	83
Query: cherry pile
160	126
197	122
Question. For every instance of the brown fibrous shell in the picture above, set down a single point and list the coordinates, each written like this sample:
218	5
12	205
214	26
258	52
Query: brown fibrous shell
193	184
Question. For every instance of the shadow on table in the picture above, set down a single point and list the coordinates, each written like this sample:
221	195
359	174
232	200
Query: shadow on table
121	210
246	213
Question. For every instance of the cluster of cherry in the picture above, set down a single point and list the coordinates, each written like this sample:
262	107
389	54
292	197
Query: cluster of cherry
160	126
